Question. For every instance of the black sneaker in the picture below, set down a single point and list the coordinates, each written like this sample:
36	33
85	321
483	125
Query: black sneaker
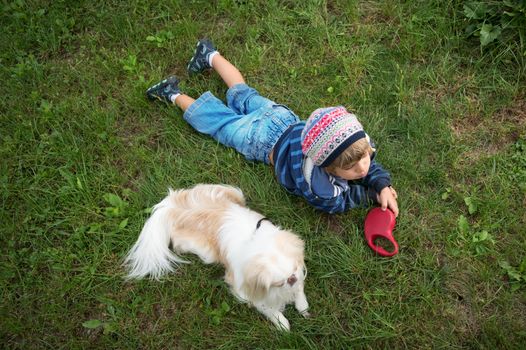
199	62
164	90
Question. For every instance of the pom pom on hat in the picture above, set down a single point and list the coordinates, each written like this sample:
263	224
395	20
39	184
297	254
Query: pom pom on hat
328	132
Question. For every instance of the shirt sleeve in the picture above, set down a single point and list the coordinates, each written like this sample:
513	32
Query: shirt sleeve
324	185
377	178
335	195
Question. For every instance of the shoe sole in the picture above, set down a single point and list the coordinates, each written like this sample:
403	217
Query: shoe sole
153	97
192	60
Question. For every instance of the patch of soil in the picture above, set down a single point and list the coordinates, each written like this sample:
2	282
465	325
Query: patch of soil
334	224
490	136
372	14
462	314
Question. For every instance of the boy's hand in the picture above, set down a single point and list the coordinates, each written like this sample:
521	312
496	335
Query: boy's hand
387	199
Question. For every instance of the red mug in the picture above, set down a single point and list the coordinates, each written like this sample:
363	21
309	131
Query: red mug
380	223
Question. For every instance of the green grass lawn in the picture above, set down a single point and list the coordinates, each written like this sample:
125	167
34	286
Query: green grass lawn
84	155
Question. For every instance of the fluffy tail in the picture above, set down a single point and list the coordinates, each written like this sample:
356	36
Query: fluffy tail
151	254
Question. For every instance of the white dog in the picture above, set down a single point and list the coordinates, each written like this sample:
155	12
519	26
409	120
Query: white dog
263	264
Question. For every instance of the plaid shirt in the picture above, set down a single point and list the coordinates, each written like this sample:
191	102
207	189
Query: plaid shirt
289	164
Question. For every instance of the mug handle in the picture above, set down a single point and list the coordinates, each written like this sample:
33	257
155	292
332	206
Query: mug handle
380	250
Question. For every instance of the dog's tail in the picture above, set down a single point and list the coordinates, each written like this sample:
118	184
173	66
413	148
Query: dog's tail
151	254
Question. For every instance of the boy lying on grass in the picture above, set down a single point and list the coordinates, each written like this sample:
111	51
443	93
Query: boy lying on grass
328	159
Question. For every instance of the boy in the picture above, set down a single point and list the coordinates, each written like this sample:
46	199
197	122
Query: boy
328	160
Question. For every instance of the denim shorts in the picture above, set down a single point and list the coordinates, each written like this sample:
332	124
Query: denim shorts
250	123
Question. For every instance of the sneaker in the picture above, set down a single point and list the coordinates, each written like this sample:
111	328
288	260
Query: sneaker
164	90
199	62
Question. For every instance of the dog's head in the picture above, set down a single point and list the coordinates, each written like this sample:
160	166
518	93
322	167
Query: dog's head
279	269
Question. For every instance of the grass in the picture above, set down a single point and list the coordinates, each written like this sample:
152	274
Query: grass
85	155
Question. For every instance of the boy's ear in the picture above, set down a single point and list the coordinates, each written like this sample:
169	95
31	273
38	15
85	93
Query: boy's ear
371	144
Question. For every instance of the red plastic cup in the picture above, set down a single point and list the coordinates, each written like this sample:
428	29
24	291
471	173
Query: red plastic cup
380	224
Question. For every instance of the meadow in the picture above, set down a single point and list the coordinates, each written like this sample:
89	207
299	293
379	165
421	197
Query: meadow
439	86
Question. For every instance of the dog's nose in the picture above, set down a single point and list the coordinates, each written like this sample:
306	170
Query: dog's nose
292	279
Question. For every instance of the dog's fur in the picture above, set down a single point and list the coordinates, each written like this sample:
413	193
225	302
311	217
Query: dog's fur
263	266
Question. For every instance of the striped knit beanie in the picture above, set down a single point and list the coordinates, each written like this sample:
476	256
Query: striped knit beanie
328	132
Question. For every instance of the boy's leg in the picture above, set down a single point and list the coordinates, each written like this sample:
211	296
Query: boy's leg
206	57
227	71
210	116
184	101
207	115
166	90
241	98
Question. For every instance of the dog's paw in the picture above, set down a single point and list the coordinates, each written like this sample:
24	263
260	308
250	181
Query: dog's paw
282	323
305	314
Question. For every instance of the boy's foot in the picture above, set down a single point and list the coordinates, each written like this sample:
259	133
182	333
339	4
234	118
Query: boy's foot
201	59
163	90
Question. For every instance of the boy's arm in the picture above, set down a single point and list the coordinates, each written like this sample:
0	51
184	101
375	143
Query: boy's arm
335	196
361	193
355	196
379	181
377	178
387	199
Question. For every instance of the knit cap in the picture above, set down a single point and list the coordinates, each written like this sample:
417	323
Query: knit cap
328	132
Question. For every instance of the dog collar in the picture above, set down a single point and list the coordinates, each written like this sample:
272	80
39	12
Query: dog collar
261	220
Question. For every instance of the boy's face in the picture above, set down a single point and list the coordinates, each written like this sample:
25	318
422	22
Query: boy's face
357	171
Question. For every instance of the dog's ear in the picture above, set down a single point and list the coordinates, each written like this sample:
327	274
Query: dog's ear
234	194
257	278
291	245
